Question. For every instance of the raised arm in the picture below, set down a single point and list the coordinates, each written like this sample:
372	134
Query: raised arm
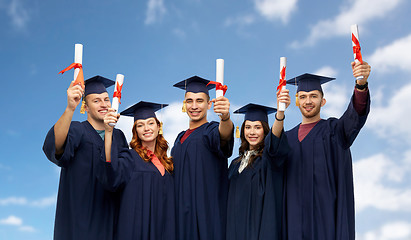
110	117
278	124
61	128
226	127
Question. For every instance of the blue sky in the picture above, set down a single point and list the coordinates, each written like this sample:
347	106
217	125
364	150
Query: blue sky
156	43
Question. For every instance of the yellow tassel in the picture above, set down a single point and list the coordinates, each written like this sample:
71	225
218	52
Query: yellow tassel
297	103
184	109
237	132
83	107
160	131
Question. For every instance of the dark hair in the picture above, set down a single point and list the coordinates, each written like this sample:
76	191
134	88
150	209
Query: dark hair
160	149
246	146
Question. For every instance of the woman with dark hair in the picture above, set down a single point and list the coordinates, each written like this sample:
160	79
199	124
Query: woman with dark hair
256	176
142	174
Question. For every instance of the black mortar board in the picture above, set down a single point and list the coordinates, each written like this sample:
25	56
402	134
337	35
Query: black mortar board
97	84
143	110
255	112
195	84
309	82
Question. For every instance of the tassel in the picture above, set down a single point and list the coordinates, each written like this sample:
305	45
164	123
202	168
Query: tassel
297	103
160	131
83	107
237	132
184	109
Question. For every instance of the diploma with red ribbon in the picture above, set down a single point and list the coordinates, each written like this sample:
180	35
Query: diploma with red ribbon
283	82
117	94
220	87
356	46
77	65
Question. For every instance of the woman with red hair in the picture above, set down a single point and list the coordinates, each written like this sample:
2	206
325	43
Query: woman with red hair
142	174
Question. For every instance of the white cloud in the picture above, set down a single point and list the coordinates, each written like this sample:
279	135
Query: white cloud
392	57
18	13
16	221
22	201
11	220
242	20
275	9
155	11
389	120
378	182
180	33
358	11
389	231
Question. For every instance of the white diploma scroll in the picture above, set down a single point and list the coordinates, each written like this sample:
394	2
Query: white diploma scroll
283	65
354	31
219	76
78	57
116	101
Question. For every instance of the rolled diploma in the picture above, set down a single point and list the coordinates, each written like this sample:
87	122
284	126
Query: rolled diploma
283	63
78	57
115	104
354	30
219	76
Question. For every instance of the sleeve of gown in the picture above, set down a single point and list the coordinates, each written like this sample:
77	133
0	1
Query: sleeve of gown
211	138
276	149
115	174
73	140
350	124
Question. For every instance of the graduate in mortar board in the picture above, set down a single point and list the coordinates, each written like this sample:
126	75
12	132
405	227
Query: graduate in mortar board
200	165
319	180
142	174
85	210
255	195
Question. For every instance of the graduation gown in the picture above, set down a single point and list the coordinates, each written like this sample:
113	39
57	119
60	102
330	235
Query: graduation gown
255	195
85	210
201	183
147	198
319	202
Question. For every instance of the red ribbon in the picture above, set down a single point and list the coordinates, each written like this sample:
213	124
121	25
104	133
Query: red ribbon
356	49
219	86
282	82
80	76
117	92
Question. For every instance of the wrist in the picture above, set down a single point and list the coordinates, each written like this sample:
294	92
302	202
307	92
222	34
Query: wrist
225	117
360	85
282	119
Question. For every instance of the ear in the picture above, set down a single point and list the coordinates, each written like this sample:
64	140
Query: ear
210	104
323	101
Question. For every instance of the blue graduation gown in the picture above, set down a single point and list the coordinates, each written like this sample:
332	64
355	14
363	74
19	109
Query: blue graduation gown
319	202
85	210
201	183
255	195
147	198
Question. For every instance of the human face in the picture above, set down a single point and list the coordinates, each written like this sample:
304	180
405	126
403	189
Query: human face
97	106
254	133
147	130
310	104
197	105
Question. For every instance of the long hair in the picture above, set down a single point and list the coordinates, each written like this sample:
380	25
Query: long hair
246	146
160	149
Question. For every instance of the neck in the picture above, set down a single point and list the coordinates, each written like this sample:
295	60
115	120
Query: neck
97	125
196	124
311	120
149	145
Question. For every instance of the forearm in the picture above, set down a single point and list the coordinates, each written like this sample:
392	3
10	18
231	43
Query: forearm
108	139
278	125
226	129
61	129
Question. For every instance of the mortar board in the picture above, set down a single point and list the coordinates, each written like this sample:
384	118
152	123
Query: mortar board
255	112
195	84
309	82
143	110
97	84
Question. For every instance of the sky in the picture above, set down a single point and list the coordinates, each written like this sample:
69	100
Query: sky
156	43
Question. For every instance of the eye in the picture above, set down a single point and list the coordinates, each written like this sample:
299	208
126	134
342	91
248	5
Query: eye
189	101
139	125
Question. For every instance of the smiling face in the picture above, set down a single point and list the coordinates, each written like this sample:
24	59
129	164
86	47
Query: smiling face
310	104
253	133
197	105
97	106
147	130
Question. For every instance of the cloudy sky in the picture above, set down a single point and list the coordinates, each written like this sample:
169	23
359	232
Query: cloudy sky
156	43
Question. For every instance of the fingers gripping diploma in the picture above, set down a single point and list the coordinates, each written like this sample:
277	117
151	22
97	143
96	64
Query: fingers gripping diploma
221	106
284	97
111	117
74	94
361	69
